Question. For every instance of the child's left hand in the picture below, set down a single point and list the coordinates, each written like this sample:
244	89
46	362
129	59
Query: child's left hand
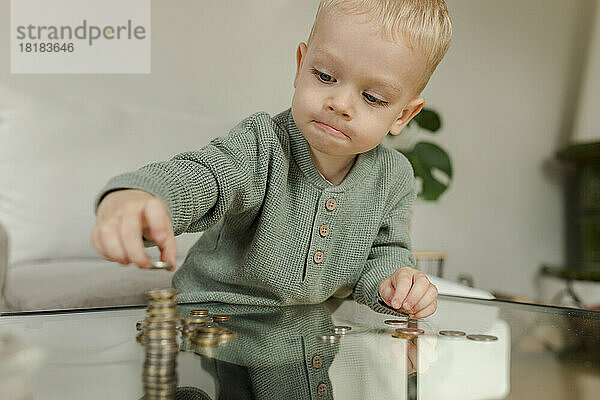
410	291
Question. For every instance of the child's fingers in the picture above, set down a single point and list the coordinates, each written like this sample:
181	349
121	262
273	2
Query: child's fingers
420	284
158	222
169	253
429	297
131	236
386	291
402	281
427	311
110	243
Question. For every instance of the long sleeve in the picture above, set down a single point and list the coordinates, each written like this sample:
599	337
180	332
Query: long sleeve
390	250
199	187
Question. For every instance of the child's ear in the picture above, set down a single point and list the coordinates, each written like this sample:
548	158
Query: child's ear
300	53
412	108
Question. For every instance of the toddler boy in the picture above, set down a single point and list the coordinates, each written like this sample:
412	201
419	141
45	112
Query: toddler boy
307	204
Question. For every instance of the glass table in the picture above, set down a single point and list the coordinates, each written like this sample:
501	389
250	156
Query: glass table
279	353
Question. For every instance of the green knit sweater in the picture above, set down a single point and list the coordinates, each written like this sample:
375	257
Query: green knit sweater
276	232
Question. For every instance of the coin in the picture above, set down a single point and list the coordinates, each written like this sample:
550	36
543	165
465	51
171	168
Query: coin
159	379
161	294
171	386
155	353
208	329
197	320
158	342
452	333
160	393
396	321
403	335
220	317
199	313
162	312
206	339
340	330
412	331
161	265
153	370
168	303
329	338
226	336
153	319
160	334
161	325
482	338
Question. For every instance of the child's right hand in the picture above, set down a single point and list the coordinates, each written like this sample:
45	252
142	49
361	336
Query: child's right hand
124	218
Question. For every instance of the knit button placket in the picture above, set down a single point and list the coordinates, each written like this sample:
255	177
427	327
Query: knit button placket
322	390
317	362
318	257
324	230
331	204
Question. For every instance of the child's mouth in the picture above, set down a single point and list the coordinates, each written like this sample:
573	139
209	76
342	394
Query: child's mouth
330	129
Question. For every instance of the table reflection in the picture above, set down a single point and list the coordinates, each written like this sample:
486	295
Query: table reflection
279	353
540	352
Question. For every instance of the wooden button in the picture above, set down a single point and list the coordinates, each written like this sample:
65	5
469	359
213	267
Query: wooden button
318	257
317	362
324	230
322	390
330	204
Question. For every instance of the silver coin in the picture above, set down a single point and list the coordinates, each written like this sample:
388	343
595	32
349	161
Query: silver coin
159	379
161	265
151	370
452	333
329	338
340	330
169	303
171	387
412	331
482	338
161	294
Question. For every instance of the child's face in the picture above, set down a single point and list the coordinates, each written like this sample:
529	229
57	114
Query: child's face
341	82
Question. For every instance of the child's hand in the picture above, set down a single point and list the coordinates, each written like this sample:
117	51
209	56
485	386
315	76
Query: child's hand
409	289
124	218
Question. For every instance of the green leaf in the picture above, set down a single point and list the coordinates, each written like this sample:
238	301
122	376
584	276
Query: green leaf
428	120
426	157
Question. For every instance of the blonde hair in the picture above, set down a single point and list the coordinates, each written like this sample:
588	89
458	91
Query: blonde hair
423	25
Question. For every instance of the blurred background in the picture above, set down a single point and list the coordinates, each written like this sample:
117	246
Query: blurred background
519	84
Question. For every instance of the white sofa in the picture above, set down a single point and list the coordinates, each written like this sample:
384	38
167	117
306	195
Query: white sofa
56	154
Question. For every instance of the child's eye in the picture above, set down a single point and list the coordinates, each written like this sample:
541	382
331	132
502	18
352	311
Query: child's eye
323	76
375	100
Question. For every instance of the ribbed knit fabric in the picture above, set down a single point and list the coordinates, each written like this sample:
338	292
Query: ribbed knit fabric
263	205
276	346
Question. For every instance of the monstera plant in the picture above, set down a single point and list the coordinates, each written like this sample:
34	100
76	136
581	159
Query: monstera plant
431	163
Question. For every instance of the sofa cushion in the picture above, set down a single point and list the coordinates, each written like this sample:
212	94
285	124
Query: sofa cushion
57	153
79	283
87	283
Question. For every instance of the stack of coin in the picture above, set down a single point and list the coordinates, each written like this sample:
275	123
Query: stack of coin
189	326
159	336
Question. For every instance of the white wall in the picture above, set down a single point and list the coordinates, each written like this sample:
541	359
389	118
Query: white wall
587	122
505	91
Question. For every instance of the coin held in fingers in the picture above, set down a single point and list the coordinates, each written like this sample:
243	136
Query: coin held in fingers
161	265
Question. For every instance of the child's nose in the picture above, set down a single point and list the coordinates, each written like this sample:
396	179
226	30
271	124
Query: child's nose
341	103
